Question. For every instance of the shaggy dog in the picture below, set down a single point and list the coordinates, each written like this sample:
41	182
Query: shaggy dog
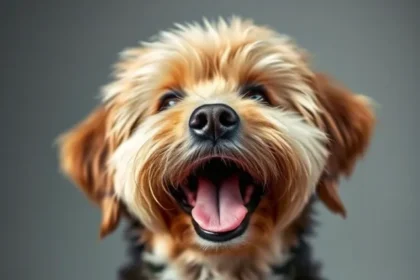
213	140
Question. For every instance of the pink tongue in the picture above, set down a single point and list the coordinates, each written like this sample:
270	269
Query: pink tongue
219	210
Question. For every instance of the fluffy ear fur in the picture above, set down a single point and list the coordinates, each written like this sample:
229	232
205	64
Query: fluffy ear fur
349	122
83	154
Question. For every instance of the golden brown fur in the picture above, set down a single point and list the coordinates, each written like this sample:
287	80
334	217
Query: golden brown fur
126	154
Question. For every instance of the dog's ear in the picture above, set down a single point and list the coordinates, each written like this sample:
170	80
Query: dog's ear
84	151
349	120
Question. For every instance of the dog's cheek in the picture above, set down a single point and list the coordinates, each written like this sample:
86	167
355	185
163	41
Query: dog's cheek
143	164
294	150
137	166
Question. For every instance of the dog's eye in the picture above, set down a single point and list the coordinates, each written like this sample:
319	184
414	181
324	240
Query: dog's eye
169	100
255	92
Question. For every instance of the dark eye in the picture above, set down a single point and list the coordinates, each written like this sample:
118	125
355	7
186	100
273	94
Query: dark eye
255	92
169	100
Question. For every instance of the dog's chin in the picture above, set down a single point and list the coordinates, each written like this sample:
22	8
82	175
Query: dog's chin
220	197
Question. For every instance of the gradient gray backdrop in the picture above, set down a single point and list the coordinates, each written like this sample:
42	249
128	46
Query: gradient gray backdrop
55	55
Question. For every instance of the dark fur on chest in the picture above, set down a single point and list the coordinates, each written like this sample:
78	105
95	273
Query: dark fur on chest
302	265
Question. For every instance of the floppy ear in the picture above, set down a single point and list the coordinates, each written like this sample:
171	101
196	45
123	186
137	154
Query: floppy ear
84	151
349	121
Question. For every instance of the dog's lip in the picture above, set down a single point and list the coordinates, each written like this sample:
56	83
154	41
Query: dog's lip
198	162
222	236
240	163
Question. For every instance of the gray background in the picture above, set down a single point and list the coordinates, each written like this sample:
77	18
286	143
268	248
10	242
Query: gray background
56	54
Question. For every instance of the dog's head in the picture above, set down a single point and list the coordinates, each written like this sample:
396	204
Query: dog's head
217	135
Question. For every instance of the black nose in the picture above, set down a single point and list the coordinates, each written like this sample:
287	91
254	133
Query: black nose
213	122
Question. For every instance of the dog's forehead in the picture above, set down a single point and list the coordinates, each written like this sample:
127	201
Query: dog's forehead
227	53
235	52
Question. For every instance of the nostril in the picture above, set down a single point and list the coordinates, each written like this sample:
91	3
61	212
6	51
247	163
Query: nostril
228	118
199	121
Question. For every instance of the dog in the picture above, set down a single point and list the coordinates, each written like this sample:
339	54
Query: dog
214	140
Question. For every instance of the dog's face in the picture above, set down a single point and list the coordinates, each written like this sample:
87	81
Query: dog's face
217	136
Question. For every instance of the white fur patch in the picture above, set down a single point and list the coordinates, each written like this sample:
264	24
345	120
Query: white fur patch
126	161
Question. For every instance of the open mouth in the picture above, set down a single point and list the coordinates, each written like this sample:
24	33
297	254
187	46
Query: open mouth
220	197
